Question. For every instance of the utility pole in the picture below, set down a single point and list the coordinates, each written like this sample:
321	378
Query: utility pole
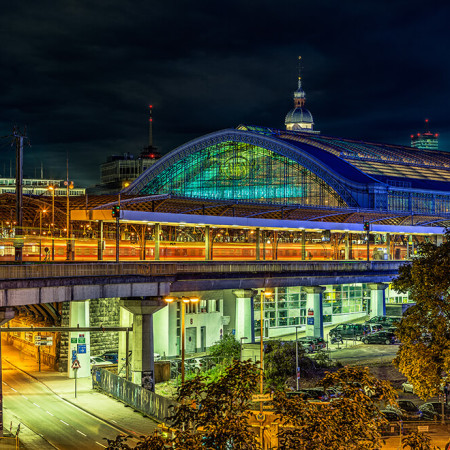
18	241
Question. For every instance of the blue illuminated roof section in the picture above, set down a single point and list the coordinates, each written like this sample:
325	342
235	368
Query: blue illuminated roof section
415	168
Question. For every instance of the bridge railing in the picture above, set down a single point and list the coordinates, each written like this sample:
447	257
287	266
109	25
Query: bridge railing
153	269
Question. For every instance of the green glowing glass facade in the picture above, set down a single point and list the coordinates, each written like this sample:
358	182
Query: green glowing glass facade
242	171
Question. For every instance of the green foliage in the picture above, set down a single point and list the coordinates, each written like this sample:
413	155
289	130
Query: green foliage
322	359
227	348
280	361
211	415
351	421
424	331
417	441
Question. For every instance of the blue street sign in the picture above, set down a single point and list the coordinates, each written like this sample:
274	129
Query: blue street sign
310	321
74	355
233	331
81	348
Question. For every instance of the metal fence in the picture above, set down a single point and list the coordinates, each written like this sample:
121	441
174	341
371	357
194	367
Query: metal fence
66	270
143	400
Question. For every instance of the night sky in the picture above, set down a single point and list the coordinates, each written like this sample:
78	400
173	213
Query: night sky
80	75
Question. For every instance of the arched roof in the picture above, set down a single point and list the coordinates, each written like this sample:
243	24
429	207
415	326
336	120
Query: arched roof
348	167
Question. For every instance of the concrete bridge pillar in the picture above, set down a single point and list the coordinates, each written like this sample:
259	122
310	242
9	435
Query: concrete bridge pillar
244	310
157	240
79	342
314	310
141	342
377	299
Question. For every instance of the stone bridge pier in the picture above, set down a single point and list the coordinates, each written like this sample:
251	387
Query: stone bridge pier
139	312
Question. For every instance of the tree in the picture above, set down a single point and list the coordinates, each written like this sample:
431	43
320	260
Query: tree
351	421
417	441
424	331
227	349
215	415
280	361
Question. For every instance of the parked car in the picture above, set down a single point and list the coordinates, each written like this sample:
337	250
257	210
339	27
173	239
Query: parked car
436	409
99	361
391	416
408	387
380	337
110	356
407	410
319	342
316	393
308	345
383	320
350	330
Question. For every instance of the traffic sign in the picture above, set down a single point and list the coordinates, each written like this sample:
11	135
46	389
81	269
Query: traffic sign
81	348
262	397
76	364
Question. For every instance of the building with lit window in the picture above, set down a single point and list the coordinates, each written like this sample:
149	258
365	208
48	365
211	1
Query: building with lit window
426	140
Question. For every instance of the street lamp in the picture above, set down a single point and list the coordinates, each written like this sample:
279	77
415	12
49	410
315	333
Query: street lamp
297	370
40	220
52	188
69	185
264	293
184	301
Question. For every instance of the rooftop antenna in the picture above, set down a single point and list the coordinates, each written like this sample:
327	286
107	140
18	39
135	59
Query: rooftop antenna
150	127
299	72
427	126
42	171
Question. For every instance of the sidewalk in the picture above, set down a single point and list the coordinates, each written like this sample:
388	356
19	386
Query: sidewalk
106	408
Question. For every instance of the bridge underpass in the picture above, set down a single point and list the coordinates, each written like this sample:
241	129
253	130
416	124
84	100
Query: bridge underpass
141	288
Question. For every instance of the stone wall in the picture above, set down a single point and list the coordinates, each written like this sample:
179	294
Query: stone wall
102	312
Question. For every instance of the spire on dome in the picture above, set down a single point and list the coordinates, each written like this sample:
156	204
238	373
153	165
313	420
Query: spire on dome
299	94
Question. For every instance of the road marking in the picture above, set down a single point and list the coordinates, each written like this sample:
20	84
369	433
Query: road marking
78	431
65	423
101	445
26	398
113	421
4	383
48	412
13	389
36	405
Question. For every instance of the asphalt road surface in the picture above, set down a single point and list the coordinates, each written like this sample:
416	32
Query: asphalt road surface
359	353
61	424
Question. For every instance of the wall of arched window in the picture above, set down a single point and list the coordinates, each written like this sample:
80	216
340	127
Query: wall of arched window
242	171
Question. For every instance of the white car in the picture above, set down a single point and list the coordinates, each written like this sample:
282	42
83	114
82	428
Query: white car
408	387
99	361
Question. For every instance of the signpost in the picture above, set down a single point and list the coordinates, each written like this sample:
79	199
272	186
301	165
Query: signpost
75	366
39	341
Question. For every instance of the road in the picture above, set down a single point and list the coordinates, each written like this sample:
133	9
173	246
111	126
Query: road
61	424
358	353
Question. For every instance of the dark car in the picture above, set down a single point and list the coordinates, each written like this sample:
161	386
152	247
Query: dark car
383	320
308	345
435	408
110	356
350	330
380	337
317	394
408	410
315	342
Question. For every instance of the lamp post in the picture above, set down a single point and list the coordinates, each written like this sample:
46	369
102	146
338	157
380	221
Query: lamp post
184	301
264	293
40	220
297	371
51	188
69	185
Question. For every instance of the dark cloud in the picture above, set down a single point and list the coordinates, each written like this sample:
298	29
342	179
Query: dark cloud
80	74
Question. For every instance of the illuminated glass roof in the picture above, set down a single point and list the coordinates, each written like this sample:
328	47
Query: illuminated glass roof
391	164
